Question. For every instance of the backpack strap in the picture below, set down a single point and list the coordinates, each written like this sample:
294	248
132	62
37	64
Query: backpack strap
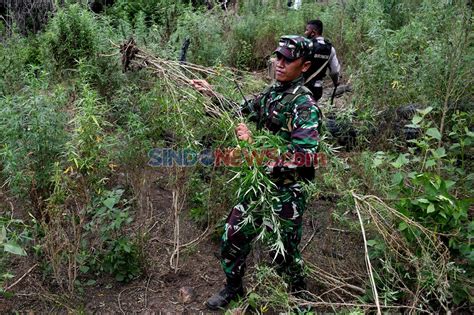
299	90
302	90
317	72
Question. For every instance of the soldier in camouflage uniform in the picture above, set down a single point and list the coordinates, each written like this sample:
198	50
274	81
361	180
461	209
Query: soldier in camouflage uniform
287	109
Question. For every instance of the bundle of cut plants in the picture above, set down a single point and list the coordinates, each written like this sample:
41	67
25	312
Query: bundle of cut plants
257	194
176	75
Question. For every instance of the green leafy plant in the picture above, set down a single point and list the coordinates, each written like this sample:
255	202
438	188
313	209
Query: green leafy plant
70	35
9	236
88	149
269	292
32	129
430	208
120	255
123	259
14	234
258	191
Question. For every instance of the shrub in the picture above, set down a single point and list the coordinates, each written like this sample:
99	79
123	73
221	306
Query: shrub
399	66
117	254
32	126
72	34
160	12
19	60
206	32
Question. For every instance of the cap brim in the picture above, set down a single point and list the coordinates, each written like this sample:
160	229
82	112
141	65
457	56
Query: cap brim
286	52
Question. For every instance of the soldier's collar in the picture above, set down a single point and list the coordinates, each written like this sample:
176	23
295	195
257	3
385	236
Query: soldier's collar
289	87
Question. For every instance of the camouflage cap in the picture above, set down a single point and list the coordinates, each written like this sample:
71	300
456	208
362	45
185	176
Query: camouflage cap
293	47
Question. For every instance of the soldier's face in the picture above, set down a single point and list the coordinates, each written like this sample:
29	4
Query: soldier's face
287	70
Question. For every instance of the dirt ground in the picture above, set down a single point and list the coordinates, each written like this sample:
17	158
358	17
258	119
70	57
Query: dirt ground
326	245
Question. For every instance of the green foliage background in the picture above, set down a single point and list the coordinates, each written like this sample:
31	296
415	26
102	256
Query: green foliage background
69	118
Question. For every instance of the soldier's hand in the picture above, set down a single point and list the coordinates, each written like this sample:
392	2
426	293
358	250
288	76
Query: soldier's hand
203	87
243	133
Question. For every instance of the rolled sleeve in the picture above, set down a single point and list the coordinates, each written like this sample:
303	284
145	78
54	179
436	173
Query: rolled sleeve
334	66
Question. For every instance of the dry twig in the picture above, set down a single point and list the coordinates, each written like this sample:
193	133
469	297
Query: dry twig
369	265
311	237
21	278
175	75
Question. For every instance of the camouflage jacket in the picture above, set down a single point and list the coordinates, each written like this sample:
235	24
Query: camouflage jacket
288	111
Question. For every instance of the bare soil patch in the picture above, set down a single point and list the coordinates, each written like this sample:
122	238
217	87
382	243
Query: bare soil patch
326	245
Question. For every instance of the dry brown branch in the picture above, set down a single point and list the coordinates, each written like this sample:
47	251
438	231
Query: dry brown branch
426	253
333	280
338	230
311	237
21	278
367	260
179	198
175	75
146	291
174	259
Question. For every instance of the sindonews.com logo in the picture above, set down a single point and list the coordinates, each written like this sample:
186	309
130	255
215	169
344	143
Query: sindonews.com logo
160	157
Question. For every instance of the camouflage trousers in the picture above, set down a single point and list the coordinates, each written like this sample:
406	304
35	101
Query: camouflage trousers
237	238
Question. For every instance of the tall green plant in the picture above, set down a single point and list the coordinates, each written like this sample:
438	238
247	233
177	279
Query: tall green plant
71	34
399	66
89	150
32	129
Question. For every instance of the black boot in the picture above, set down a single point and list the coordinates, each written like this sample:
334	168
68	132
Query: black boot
232	291
298	285
298	289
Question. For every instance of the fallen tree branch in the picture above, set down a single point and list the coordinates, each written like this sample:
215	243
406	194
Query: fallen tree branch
177	75
367	260
311	237
21	278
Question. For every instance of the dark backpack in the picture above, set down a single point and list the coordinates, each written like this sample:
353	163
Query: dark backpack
320	57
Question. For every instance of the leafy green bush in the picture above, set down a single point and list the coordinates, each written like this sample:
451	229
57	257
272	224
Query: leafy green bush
33	133
243	41
429	189
117	254
72	34
123	259
89	149
19	60
161	12
206	32
399	66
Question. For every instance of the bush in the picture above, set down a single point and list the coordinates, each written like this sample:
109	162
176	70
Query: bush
70	36
117	254
399	66
206	32
89	149
160	12
243	41
19	60
123	259
33	129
